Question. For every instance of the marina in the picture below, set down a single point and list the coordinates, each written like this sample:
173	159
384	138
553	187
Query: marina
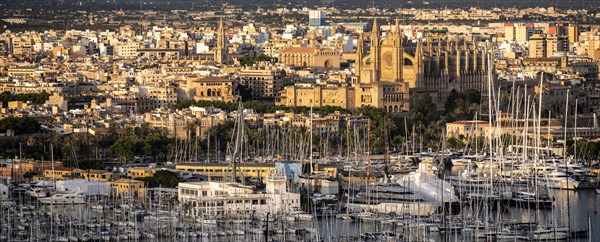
299	121
153	222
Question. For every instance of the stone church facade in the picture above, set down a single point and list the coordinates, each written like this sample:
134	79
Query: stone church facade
392	68
312	57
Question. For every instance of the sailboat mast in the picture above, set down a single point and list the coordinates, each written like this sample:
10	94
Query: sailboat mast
237	154
369	147
539	118
575	157
310	136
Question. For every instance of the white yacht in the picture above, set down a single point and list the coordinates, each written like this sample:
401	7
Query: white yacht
462	162
470	180
428	185
419	193
98	207
573	168
207	221
391	198
550	233
558	180
38	192
62	198
301	216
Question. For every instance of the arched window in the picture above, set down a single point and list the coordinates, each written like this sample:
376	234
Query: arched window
328	64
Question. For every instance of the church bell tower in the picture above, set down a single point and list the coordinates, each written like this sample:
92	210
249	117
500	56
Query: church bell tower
221	48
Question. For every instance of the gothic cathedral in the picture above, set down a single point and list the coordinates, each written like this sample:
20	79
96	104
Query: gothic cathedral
393	67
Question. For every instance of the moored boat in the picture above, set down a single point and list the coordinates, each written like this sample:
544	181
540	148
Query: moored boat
62	198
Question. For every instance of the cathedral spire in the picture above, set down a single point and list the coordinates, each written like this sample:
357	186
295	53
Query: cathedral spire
220	23
398	33
397	28
360	50
220	49
375	52
360	45
375	30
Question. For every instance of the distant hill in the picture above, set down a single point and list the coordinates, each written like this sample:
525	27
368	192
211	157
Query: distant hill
215	5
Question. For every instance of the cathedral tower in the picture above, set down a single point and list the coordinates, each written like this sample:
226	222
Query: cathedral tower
375	52
392	56
221	48
360	51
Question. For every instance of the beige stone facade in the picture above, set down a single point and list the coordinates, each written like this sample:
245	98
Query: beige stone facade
184	124
316	95
262	81
549	65
391	96
313	57
211	89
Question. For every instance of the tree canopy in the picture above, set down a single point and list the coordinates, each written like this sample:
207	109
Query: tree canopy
260	107
37	98
142	141
251	60
462	105
21	125
162	178
584	149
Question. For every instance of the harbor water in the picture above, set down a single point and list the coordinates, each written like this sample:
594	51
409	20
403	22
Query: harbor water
580	206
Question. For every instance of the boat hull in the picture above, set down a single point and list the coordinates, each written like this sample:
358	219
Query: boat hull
415	209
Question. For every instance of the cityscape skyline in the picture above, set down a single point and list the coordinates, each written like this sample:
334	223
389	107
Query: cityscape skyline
299	121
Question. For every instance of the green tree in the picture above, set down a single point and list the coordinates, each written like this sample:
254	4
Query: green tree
424	109
251	60
462	105
245	92
124	148
29	175
20	125
455	144
163	178
37	98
